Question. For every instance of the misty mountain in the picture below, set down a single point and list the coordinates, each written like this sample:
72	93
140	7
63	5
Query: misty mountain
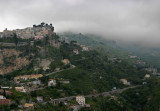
108	47
115	48
149	54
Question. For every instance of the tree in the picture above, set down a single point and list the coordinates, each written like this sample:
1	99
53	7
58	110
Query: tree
13	106
4	93
40	70
15	39
42	24
0	46
46	40
34	25
52	66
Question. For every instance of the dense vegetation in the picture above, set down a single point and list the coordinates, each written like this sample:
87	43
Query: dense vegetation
146	53
93	73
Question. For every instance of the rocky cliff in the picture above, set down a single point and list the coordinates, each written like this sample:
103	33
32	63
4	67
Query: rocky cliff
11	60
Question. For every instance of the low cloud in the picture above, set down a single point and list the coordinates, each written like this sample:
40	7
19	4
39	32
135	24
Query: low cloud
127	20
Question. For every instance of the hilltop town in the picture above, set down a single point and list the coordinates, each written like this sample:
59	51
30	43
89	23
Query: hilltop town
36	32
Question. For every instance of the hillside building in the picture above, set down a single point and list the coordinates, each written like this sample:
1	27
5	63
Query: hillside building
52	82
124	81
5	101
28	105
65	61
80	100
75	51
26	77
37	32
147	76
39	99
2	97
20	89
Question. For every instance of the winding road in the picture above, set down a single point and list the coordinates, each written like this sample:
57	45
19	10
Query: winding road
118	91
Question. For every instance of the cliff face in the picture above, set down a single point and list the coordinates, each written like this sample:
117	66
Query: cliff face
10	60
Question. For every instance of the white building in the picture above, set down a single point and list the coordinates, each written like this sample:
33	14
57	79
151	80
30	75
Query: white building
40	99
38	37
80	100
76	51
52	82
132	57
147	76
2	97
20	89
36	82
85	48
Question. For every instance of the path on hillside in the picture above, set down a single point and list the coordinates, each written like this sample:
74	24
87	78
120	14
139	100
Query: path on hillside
7	44
48	74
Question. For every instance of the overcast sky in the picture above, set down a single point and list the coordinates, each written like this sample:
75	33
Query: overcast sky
134	20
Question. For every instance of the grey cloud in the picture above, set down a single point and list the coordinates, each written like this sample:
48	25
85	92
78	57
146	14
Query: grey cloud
128	20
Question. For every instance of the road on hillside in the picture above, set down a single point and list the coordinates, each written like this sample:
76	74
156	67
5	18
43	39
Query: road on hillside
48	74
118	91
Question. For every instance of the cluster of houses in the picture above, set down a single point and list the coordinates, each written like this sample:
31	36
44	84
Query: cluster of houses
27	77
84	48
126	82
32	82
4	101
37	32
5	91
32	105
151	70
35	82
138	60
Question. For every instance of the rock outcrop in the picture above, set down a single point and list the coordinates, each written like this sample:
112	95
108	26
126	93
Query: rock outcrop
10	60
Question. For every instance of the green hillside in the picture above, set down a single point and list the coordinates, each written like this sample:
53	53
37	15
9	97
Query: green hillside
89	72
95	42
148	54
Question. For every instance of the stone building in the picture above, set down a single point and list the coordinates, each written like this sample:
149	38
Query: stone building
124	81
37	31
52	82
80	100
65	61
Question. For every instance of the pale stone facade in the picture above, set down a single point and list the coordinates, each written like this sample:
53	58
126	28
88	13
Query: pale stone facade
125	82
80	100
52	82
30	32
